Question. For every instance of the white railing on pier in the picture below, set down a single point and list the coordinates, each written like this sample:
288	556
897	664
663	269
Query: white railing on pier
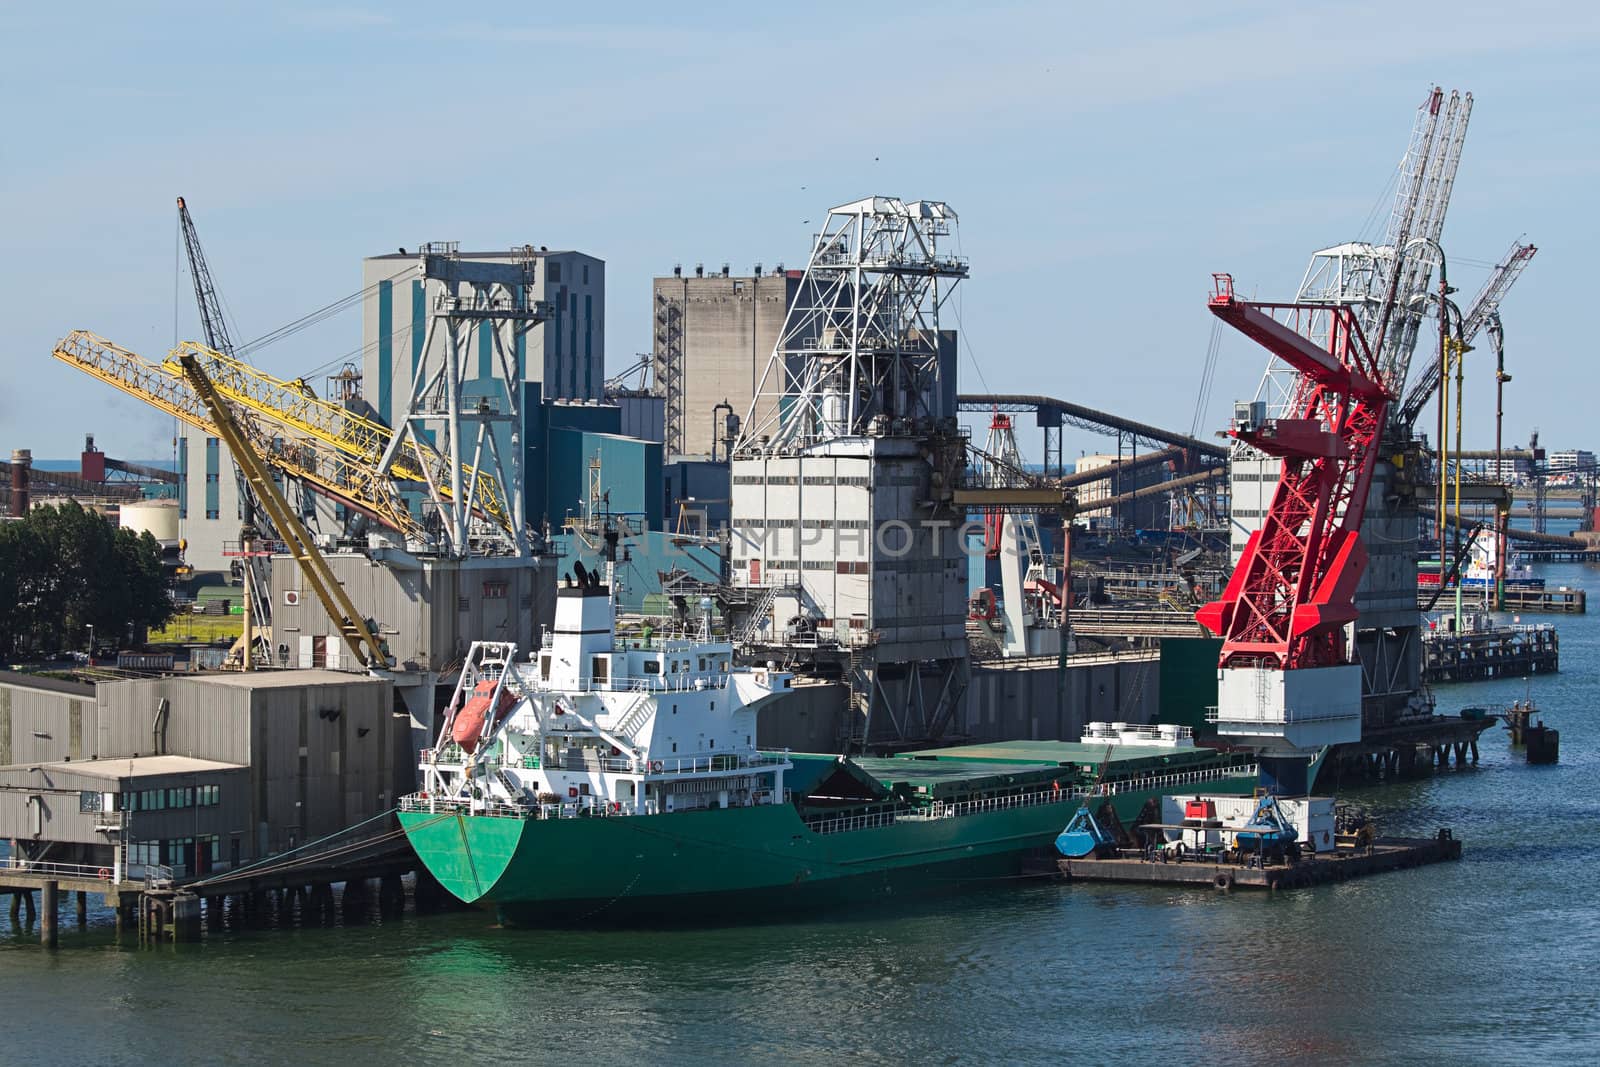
46	870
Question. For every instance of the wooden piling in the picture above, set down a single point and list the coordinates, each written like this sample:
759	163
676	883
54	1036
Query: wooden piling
49	906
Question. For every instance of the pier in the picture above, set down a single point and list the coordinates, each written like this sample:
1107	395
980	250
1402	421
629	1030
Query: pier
1349	860
1406	750
1500	652
1532	601
161	908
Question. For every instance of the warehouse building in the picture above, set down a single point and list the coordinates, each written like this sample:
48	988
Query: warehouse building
200	773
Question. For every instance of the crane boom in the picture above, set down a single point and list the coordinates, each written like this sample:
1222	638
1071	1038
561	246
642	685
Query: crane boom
1486	303
294	405
205	291
351	626
1294	587
1434	168
164	387
334	449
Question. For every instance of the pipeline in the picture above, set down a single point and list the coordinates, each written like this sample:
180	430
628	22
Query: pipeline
1526	536
1088	418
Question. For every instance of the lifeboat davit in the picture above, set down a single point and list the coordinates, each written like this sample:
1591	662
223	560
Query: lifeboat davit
469	720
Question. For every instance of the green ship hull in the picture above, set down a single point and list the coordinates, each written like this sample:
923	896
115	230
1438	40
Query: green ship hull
535	871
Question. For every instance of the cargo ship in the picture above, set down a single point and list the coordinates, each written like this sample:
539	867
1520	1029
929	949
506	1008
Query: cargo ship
617	778
1479	575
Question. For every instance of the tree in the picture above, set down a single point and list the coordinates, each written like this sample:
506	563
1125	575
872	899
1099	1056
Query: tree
64	569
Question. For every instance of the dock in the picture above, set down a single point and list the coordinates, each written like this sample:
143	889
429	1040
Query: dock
1407	750
278	890
1497	652
1343	863
1529	601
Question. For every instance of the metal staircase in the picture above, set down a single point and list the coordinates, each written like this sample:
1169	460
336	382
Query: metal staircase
637	714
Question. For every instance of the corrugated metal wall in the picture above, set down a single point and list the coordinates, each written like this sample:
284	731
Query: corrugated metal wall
40	726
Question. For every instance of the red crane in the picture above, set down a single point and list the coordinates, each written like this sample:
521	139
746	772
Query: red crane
1294	588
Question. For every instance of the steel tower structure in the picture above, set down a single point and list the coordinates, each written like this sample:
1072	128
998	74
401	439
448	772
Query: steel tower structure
845	475
490	306
859	352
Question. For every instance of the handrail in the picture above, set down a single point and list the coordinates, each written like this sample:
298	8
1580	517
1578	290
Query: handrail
823	824
43	868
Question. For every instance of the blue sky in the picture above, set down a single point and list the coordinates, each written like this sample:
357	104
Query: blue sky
1104	159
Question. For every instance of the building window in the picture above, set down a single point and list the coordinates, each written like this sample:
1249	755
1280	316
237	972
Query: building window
586	274
213	513
88	802
552	272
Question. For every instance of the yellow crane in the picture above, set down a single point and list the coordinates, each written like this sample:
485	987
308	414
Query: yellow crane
334	450
352	627
164	386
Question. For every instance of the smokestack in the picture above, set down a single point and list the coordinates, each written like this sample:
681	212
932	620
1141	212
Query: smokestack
21	460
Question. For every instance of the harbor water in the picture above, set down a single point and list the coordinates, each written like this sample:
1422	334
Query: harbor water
1495	959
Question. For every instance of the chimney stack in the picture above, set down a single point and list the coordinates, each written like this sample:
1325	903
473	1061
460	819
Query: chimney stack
21	460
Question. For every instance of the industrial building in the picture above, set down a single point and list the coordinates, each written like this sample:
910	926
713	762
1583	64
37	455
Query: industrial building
412	313
843	523
425	610
714	337
196	773
401	337
1141	513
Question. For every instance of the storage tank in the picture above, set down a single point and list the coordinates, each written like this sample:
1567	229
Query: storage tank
158	518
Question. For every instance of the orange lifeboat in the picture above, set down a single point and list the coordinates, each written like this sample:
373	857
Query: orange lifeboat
469	720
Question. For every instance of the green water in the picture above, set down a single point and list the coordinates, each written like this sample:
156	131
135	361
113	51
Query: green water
1490	960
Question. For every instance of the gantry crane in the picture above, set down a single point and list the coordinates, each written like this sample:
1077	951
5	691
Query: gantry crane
1286	680
351	626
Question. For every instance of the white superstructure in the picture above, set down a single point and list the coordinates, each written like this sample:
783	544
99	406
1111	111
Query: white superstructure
594	724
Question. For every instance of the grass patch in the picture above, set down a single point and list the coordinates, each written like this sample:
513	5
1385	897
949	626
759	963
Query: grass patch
188	629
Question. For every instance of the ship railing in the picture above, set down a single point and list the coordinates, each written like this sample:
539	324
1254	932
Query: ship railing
679	682
718	762
1181	778
860	821
941	809
500	807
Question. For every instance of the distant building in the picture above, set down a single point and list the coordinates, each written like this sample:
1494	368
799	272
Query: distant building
714	336
1571	459
1142	513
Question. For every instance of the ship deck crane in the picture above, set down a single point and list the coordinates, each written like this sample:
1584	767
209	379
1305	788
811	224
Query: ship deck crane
1286	680
351	626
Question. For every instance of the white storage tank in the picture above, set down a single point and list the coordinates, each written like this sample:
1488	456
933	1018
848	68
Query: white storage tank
158	518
